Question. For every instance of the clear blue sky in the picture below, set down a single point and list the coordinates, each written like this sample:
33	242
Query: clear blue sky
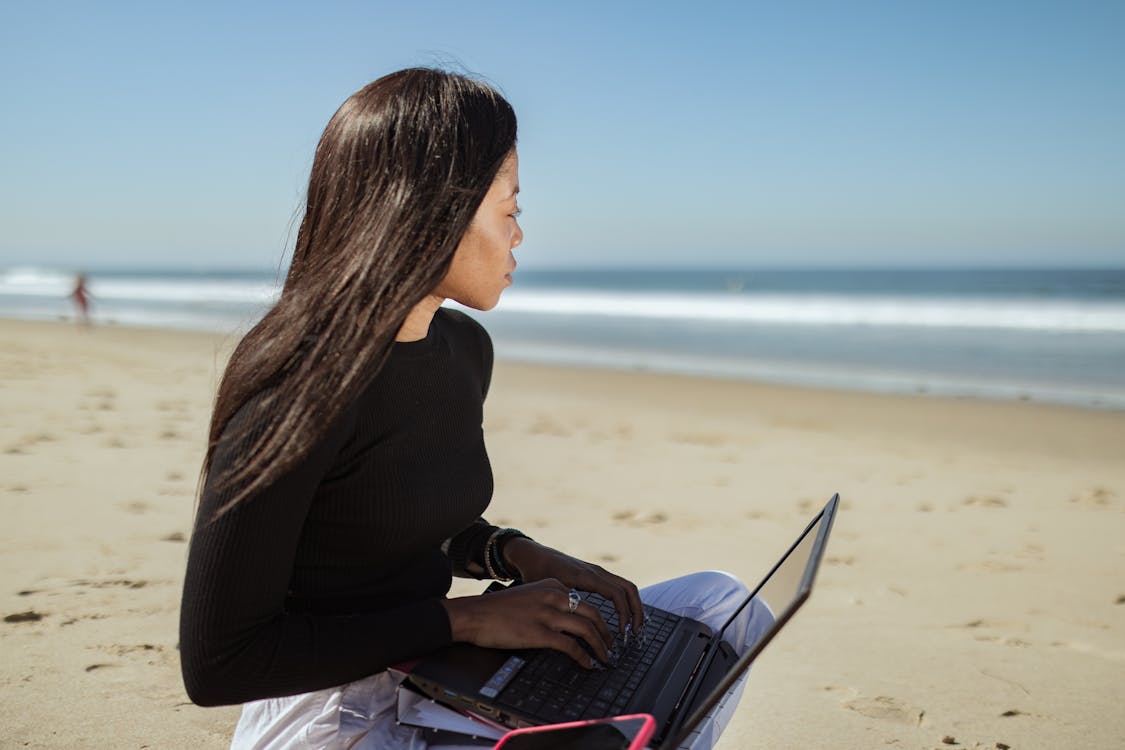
736	134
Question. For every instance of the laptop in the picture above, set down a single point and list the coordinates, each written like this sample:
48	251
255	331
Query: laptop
680	672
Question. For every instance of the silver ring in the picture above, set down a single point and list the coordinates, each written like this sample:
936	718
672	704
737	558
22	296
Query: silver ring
573	600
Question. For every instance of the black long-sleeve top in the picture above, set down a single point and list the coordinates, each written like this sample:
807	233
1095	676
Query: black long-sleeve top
336	570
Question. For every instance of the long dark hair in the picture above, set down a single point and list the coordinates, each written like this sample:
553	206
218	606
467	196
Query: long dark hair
398	175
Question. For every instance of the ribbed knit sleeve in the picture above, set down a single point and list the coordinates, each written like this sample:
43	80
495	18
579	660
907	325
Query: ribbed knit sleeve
466	550
238	640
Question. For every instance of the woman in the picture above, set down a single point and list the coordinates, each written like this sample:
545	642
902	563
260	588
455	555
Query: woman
346	474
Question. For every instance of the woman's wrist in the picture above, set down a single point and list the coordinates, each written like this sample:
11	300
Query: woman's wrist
519	554
462	621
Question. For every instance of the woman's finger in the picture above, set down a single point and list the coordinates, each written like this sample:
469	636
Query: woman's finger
591	614
582	628
636	606
560	642
594	629
626	600
583	610
625	611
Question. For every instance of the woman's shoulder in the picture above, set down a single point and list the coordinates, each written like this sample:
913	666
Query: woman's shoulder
461	325
469	342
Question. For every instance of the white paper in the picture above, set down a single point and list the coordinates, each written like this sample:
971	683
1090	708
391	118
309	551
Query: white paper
419	711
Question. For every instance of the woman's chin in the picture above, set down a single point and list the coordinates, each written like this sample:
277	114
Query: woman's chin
477	303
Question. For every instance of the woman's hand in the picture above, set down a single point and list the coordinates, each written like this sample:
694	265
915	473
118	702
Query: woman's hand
536	562
534	615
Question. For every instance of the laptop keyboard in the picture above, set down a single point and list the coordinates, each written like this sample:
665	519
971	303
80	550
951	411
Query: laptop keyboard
552	687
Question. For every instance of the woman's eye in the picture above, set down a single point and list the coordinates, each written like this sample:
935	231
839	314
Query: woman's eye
516	214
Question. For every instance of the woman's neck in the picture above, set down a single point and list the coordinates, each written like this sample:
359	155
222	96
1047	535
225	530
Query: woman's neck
417	323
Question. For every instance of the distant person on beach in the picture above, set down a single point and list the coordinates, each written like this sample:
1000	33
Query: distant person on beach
81	297
346	476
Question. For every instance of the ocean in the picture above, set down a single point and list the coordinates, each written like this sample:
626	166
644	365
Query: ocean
1041	335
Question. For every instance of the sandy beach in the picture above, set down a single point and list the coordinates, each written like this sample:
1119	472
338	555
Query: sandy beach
972	597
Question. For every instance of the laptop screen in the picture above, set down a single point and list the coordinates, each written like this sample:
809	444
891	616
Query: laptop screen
784	589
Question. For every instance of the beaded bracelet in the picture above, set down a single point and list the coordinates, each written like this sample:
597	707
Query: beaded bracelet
488	568
493	554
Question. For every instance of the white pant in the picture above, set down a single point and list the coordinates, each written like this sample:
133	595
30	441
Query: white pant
361	715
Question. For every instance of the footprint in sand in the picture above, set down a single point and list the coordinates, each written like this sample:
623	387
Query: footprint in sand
98	399
110	582
28	616
1096	497
886	708
702	439
545	425
986	637
26	443
175	536
991	566
1016	642
178	407
632	518
118	649
1033	551
985	501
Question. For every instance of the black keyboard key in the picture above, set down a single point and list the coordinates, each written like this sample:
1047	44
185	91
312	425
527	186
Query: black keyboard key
607	694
